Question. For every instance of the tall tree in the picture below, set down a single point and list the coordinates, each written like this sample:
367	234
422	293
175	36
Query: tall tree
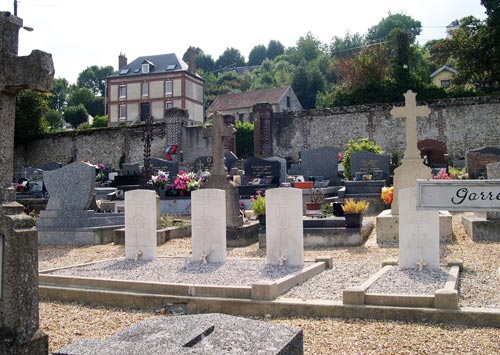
54	119
382	30
76	115
347	46
59	91
30	108
204	61
230	58
94	79
257	55
274	49
308	49
307	82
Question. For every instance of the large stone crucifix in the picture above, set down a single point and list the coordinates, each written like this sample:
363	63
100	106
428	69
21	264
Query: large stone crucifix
217	132
411	111
35	72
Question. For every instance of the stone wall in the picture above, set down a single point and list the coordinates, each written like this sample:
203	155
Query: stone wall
462	124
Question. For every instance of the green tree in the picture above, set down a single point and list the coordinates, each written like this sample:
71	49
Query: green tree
30	108
244	139
54	119
308	49
59	91
94	79
100	121
76	115
257	55
307	82
93	104
274	49
382	30
347	46
204	61
230	58
362	144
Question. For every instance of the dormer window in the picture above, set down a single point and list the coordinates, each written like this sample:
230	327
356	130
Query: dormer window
145	68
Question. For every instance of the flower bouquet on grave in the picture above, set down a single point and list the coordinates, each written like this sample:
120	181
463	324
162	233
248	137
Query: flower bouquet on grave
160	179
387	194
181	182
442	175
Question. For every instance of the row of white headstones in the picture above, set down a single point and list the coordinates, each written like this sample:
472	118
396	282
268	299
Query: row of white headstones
284	231
418	221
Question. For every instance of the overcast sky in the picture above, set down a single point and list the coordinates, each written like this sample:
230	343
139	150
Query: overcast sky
81	33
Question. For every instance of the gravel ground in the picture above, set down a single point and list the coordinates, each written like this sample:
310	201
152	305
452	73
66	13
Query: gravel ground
479	287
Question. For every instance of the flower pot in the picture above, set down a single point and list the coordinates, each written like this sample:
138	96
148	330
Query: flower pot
304	184
262	220
353	220
182	192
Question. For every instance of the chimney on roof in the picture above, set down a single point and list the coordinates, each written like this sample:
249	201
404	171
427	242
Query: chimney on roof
122	61
192	61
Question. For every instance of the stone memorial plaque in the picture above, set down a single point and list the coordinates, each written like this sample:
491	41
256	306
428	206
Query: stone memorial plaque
168	166
284	230
458	195
208	225
369	163
260	168
477	159
140	224
418	233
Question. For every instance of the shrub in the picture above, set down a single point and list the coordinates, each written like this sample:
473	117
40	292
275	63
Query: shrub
258	204
362	144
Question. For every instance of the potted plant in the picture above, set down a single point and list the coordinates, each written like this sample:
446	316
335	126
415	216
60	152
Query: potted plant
259	207
353	212
314	206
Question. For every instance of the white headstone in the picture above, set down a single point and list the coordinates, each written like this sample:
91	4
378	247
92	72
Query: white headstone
208	225
140	224
284	230
418	233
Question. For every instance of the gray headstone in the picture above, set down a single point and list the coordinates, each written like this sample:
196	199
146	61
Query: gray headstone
71	187
130	169
29	174
208	334
168	166
477	159
369	163
261	168
283	167
321	162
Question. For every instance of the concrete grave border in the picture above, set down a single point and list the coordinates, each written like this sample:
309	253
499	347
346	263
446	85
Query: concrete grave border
446	297
261	290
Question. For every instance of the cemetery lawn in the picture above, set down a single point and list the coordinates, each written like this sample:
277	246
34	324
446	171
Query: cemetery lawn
479	287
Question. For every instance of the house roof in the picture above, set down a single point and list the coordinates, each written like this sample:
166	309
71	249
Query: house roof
247	99
160	63
444	67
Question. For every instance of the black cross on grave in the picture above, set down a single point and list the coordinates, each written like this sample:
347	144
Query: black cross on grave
218	131
35	72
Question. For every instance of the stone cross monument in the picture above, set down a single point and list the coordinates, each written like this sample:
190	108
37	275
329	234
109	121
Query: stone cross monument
19	333
413	167
218	178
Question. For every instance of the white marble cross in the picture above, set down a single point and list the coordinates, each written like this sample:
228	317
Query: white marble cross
411	111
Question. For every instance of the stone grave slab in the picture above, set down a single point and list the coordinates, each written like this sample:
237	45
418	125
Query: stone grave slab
204	163
208	225
140	224
168	166
284	230
368	163
320	162
418	233
262	168
195	334
477	159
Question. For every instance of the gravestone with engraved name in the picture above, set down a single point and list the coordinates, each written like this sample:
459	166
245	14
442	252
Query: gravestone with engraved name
164	165
282	161
477	159
368	163
263	168
204	163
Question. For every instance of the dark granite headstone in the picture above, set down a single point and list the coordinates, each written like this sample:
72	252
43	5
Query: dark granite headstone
204	163
369	163
130	169
208	334
321	162
477	159
435	151
262	168
229	159
283	167
168	166
51	165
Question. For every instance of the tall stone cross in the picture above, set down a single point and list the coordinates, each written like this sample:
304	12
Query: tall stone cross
411	111
35	72
218	131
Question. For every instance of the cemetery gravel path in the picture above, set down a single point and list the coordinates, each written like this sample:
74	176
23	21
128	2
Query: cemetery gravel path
479	287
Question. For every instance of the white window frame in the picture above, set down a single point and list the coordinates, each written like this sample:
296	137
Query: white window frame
169	87
168	104
124	116
145	89
123	90
145	68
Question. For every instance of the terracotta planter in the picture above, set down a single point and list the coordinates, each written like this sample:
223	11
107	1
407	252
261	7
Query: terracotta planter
313	206
353	220
304	185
